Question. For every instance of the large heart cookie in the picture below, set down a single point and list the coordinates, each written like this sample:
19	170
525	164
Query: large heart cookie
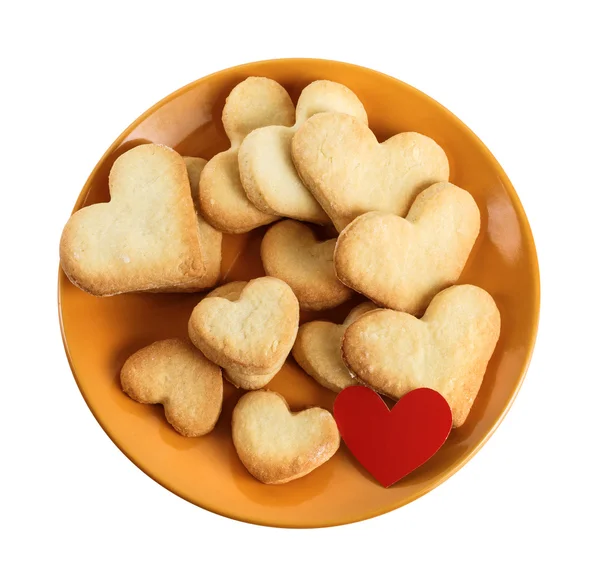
145	238
276	445
266	168
175	374
210	238
447	349
350	173
249	330
318	350
254	103
403	263
290	251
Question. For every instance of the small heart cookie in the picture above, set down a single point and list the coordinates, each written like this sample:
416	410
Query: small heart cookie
318	350
350	173
276	445
266	168
290	251
403	263
249	332
145	238
447	349
240	377
254	103
210	238
175	374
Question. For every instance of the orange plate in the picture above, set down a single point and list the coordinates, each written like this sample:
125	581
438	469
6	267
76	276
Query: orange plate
100	333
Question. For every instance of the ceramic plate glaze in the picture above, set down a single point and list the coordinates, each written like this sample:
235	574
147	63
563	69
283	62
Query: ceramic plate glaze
100	333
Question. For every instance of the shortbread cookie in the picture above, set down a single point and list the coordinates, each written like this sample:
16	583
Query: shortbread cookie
350	173
276	445
266	168
249	334
146	237
210	238
403	263
254	103
175	374
318	350
290	251
239	377
447	350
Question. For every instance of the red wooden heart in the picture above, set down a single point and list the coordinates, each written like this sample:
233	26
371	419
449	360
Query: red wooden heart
390	444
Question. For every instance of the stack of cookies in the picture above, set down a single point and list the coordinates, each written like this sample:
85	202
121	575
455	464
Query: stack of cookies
399	233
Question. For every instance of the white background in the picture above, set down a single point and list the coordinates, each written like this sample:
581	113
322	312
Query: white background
73	509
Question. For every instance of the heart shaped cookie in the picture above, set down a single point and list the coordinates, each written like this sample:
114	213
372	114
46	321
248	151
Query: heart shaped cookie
318	350
403	263
266	168
350	173
175	374
210	238
146	237
249	332
447	349
254	103
290	251
276	445
240	377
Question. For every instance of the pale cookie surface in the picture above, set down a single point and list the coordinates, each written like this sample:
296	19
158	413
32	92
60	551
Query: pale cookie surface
448	349
266	167
249	332
240	377
276	445
290	251
254	103
318	350
210	238
175	374
349	172
230	291
403	263
146	237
